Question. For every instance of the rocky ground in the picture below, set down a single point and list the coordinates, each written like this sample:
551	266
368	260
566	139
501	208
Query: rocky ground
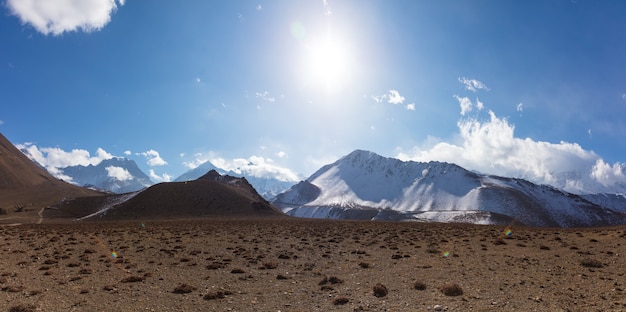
304	265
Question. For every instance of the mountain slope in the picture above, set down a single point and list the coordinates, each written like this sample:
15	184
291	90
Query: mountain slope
364	185
118	175
24	185
211	195
267	187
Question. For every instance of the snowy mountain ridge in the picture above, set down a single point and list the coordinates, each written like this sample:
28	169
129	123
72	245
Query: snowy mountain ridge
365	185
266	187
117	175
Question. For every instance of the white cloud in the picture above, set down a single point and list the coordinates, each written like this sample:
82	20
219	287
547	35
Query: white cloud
54	158
259	7
159	178
410	106
520	107
465	103
608	175
127	153
491	147
154	159
589	133
281	154
265	96
395	97
473	84
255	166
479	105
118	173
58	16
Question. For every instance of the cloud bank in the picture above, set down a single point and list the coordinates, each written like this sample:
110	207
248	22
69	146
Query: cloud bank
118	173
255	166
58	16
54	159
491	147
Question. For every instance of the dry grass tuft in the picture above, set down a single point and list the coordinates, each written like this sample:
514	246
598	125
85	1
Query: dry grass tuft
341	300
184	289
419	285
216	295
451	289
380	290
591	263
23	308
133	279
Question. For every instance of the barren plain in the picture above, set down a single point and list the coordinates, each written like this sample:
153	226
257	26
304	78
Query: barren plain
309	265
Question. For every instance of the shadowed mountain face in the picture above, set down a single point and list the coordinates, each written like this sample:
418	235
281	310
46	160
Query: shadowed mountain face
211	195
24	185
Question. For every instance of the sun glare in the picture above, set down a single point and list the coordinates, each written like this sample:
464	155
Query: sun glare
327	64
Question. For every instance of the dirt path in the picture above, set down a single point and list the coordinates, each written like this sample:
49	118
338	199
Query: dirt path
40	214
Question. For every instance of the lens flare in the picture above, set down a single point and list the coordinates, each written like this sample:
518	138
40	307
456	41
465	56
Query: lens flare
508	232
113	254
446	254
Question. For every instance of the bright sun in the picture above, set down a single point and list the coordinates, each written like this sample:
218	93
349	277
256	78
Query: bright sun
327	64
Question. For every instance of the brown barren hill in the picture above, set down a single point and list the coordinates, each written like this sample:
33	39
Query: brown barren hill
26	187
211	195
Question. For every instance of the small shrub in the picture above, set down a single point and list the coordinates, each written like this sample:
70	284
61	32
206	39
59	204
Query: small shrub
364	265
340	300
237	271
419	285
133	279
269	266
591	263
216	295
23	308
451	289
331	279
380	290
184	289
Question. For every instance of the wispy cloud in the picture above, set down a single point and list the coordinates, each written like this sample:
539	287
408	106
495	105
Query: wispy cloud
395	97
491	147
465	104
410	106
1	122
266	96
379	98
58	16
327	10
154	159
479	105
259	7
520	107
118	173
473	84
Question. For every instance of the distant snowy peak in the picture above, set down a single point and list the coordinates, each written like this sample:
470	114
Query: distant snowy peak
197	172
365	185
266	187
117	175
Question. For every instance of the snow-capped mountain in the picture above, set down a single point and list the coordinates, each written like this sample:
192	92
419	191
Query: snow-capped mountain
364	185
117	175
266	187
616	202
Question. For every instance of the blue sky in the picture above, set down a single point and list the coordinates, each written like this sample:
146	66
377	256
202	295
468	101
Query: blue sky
524	88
